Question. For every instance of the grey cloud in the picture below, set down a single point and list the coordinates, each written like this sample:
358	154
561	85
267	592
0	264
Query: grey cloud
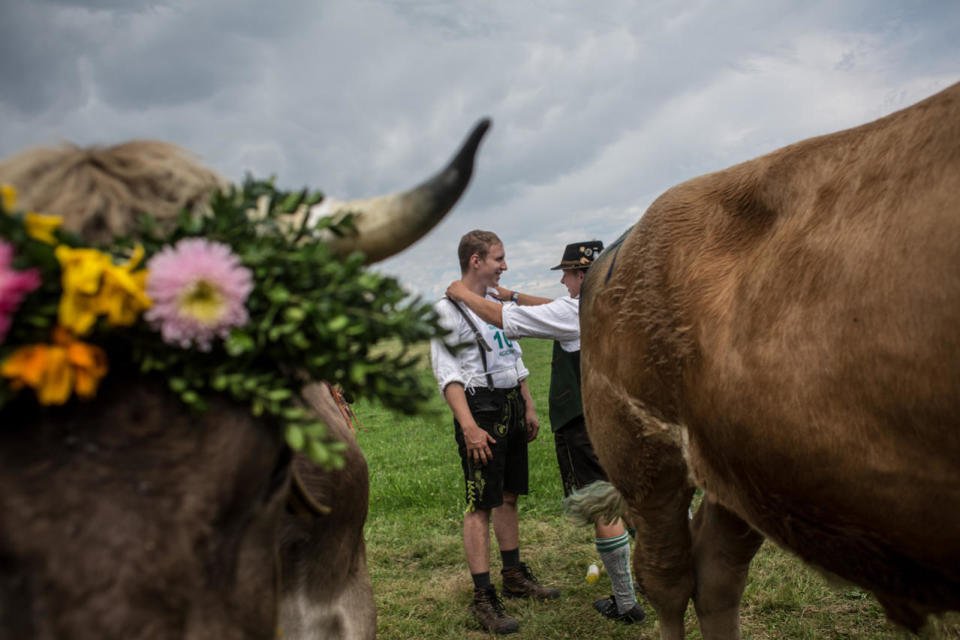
123	6
38	58
182	69
597	108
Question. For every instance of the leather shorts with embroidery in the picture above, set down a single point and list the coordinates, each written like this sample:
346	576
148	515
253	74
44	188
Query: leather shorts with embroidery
499	412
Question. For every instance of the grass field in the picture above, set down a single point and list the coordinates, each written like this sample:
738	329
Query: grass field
423	588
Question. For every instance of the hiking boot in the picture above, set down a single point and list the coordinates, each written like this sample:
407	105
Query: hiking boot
608	609
519	582
488	609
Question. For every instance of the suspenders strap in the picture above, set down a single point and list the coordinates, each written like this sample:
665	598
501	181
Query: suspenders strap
484	346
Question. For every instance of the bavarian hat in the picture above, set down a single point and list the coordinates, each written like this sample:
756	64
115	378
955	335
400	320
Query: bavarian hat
579	255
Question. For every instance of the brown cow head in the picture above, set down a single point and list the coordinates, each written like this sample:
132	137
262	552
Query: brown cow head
131	517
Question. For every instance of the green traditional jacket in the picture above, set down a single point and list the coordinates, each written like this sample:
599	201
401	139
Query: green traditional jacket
565	401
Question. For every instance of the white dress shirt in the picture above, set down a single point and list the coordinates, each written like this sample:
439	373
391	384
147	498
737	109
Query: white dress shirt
504	363
556	320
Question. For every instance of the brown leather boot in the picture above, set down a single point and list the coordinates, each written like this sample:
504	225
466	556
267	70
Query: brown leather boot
519	582
488	609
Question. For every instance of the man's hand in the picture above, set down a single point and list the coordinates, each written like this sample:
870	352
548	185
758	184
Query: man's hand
457	290
533	424
476	439
478	442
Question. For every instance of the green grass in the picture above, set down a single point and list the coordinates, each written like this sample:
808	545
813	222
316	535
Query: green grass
423	588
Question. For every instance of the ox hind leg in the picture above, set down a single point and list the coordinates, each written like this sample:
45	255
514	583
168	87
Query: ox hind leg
644	461
662	558
723	546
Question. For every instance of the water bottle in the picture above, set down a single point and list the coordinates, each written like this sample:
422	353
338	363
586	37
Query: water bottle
593	573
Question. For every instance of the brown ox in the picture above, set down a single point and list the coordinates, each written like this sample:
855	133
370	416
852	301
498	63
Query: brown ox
785	335
130	517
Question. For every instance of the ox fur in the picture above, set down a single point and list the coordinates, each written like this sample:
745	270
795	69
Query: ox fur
134	518
100	191
783	335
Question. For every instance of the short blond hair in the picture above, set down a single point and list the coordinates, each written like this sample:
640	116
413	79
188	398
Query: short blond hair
100	191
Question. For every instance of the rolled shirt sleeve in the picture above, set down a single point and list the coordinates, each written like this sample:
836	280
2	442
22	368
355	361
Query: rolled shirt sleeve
446	366
557	320
522	372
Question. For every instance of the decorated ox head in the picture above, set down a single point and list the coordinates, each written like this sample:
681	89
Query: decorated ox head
132	515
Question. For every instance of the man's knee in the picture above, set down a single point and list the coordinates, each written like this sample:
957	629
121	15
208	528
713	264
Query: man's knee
509	499
477	515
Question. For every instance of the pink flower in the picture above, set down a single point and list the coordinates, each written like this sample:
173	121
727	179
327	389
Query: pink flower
198	290
14	286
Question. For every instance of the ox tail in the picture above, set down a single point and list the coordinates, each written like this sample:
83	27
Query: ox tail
597	502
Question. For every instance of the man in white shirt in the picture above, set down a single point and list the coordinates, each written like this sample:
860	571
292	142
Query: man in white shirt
534	317
482	377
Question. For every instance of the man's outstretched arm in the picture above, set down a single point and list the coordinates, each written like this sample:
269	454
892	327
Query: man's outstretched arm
523	299
488	310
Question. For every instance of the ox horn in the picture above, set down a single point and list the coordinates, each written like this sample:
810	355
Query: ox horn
388	224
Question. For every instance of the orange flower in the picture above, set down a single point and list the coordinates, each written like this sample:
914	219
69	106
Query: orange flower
26	366
54	371
89	365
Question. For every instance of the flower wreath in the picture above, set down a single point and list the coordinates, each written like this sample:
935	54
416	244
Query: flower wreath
245	301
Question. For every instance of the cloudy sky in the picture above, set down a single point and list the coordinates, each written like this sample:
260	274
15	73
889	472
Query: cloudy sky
597	107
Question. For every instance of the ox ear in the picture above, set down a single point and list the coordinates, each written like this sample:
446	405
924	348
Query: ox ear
281	474
388	224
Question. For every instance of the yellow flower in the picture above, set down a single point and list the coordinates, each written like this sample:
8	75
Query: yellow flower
54	371
82	268
94	286
135	258
122	296
81	278
41	227
8	196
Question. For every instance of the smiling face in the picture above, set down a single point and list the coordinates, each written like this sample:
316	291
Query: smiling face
572	279
489	268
